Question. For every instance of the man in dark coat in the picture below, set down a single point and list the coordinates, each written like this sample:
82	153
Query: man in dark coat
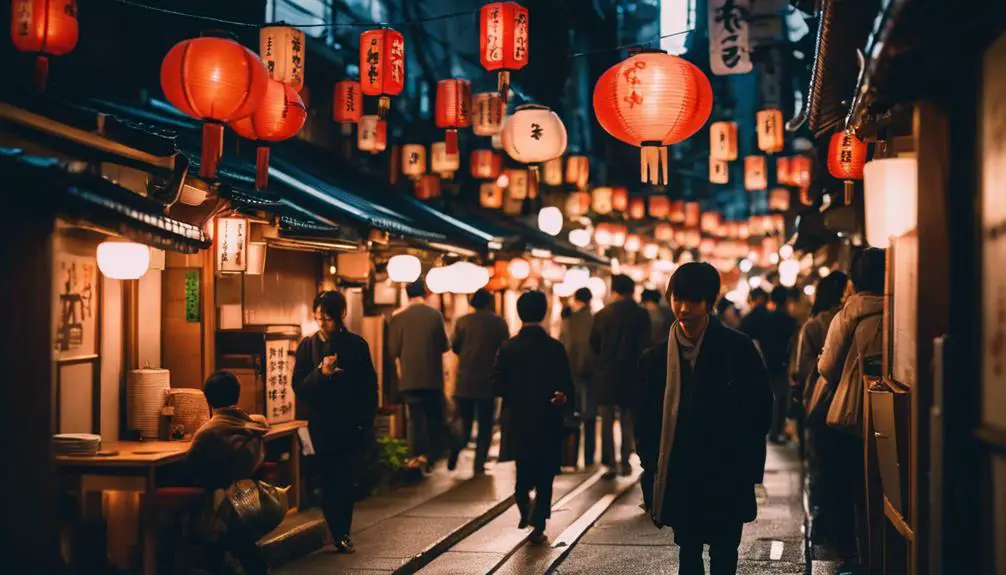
705	408
620	333
477	338
532	376
335	378
575	337
773	330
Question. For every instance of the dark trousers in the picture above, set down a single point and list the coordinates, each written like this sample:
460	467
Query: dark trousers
625	421
338	493
723	546
426	422
780	407
534	475
587	407
469	410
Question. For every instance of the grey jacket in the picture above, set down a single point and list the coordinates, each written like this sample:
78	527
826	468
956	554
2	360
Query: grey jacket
477	338
417	338
575	336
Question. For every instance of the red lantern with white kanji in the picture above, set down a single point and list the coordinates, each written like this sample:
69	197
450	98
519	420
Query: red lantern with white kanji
578	171
372	134
577	204
660	207
488	113
347	104
413	160
485	164
503	40
600	200
454	97
652	100
846	158
427	187
620	199
719	171
45	28
282	49
755	177
723	141
637	208
382	66
279	116
778	200
442	162
770	130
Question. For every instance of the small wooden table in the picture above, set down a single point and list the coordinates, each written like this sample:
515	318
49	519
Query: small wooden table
134	468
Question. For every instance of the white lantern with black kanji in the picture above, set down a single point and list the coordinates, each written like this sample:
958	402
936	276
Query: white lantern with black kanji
770	131
719	171
413	160
283	49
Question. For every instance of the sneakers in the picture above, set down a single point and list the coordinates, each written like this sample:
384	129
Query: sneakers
344	546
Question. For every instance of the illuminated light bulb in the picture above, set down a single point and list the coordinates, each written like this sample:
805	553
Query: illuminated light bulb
331	269
824	271
786	251
746	265
579	238
550	220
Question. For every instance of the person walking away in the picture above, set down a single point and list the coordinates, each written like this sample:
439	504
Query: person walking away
727	313
705	408
532	375
417	339
828	297
575	337
229	447
854	334
477	338
773	329
661	317
335	378
620	333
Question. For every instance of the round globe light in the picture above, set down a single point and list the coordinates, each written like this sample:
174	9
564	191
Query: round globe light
550	220
438	280
809	290
824	271
577	277
786	251
404	268
467	278
579	238
123	260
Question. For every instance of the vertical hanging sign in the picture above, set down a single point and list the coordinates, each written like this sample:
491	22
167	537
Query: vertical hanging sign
193	305
279	396
729	50
232	245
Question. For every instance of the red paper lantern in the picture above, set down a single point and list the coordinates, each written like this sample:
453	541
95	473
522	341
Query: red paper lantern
755	177
428	187
486	164
279	116
660	207
652	100
382	66
799	170
637	208
663	232
347	106
578	171
44	27
215	80
491	195
620	199
783	175
453	102
846	158
577	204
678	212
693	211
778	200
503	40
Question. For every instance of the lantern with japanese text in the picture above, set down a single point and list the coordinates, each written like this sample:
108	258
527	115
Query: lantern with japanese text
347	104
282	49
452	113
846	158
783	177
517	187
663	232
652	100
442	162
578	171
577	204
413	160
754	173
719	171
488	113
620	199
600	200
552	171
45	28
382	66
485	164
660	207
371	134
215	80
723	141
279	116
770	131
427	187
693	210
637	208
503	40
490	195
778	200
232	244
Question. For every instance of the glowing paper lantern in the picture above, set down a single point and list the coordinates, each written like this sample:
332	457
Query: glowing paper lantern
282	49
347	106
438	280
789	271
123	260
719	171
467	278
552	172
503	40
232	244
372	134
620	199
782	172
215	80
486	164
603	235
619	233
46	28
452	111
677	215
652	100
519	269
778	200
800	171
518	183
660	207
692	213
427	187
637	208
413	160
442	162
846	157
600	200
578	171
579	238
490	195
663	232
890	191
534	134
488	113
404	268
755	177
382	66
723	141
577	204
770	131
710	222
550	220
279	116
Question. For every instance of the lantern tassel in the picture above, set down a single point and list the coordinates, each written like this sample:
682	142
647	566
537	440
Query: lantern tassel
451	141
383	105
213	145
663	162
532	185
849	189
503	85
41	72
262	167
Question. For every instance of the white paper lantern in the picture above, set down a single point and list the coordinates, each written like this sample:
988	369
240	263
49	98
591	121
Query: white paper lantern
404	268
438	280
534	134
413	160
123	260
579	238
550	220
577	277
466	277
443	163
519	269
283	49
890	192
650	251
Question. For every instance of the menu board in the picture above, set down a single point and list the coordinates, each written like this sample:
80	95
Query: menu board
279	397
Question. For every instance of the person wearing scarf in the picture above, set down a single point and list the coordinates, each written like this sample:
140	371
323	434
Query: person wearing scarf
705	408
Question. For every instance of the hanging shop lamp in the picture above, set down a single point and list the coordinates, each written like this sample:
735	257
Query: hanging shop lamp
846	157
452	110
550	220
890	194
600	200
404	268
371	134
443	162
552	172
519	269
578	171
413	160
485	164
45	28
215	80
770	130
663	232
723	141
710	223
503	41
719	171
677	215
488	113
382	66
693	211
800	171
347	104
279	116
652	100
783	176
123	260
517	183
283	49
754	173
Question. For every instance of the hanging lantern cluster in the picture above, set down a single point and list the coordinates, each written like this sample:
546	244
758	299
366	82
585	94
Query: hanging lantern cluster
488	113
485	164
503	41
452	112
413	160
44	28
279	116
652	100
770	131
382	66
755	176
723	141
846	158
282	49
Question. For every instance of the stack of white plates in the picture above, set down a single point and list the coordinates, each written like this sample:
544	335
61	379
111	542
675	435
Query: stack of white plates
145	392
76	443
